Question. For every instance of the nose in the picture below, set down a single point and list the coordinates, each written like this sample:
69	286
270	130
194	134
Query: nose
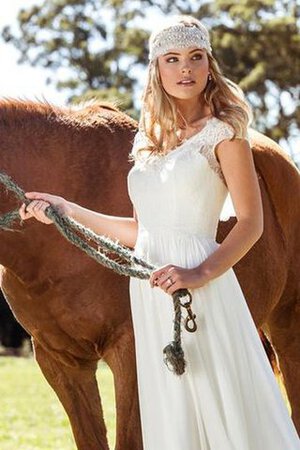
186	68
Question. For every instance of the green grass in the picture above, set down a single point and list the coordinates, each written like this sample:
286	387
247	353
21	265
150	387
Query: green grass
31	416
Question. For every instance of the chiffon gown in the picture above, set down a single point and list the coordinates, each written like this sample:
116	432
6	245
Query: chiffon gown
228	397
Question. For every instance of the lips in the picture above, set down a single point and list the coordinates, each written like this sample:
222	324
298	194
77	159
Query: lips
186	82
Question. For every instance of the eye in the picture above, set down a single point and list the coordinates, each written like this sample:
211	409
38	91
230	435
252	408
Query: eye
171	59
197	56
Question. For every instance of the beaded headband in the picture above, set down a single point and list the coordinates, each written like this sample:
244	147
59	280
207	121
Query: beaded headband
179	35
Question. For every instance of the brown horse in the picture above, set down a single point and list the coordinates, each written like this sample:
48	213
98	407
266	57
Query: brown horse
77	311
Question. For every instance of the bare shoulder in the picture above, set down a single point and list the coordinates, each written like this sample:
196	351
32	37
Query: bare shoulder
236	160
237	164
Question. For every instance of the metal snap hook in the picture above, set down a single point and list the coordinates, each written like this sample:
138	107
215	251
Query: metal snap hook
190	318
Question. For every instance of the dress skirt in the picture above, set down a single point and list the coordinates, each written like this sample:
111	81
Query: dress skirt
228	397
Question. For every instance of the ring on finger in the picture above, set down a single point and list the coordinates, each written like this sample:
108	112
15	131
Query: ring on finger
170	281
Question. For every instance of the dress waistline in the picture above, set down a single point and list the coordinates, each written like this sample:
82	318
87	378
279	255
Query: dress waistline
168	231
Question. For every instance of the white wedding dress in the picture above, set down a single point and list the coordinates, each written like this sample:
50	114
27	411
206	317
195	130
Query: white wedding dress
228	398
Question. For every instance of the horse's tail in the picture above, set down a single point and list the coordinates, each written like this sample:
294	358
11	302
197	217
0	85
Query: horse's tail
271	354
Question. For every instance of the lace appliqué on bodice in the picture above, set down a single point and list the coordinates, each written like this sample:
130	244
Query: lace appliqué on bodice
203	142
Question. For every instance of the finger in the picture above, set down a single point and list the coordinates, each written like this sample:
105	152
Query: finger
22	209
159	275
41	205
154	277
166	284
165	277
41	214
39	210
33	195
31	207
23	213
151	280
36	208
162	269
163	280
36	205
155	283
38	196
28	210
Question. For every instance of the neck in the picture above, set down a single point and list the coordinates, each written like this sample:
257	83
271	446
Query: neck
193	110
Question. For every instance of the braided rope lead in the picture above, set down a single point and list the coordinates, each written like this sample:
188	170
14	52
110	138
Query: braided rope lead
173	352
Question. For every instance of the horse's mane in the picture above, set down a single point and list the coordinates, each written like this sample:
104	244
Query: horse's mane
89	114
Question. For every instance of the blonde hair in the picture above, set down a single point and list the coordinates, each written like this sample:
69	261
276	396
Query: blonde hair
160	117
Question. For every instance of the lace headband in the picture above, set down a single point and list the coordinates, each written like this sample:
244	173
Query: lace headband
179	35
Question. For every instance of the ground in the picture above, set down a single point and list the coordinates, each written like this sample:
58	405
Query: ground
31	416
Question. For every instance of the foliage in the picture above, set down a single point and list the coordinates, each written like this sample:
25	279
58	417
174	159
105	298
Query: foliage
101	45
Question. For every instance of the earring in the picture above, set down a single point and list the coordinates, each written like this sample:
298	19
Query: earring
209	77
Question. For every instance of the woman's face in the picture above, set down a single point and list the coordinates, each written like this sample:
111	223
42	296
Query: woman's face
184	72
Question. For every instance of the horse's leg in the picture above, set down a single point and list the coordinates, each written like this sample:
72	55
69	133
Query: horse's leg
77	389
286	341
121	360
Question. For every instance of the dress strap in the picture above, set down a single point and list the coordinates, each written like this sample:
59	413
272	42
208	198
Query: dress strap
140	141
217	132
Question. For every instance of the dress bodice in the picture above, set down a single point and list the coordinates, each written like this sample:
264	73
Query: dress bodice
184	189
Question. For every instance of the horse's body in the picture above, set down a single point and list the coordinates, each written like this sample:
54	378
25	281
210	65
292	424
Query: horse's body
77	311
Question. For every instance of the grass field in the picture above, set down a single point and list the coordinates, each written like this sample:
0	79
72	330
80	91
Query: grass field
31	416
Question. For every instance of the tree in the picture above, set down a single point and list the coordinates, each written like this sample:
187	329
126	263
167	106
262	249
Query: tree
76	39
260	49
100	46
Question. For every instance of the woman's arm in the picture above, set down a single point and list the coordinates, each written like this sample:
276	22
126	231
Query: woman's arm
123	229
238	168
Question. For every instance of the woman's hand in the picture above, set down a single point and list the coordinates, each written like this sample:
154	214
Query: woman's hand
40	203
170	278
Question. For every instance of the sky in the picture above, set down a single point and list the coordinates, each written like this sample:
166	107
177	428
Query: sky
24	81
18	80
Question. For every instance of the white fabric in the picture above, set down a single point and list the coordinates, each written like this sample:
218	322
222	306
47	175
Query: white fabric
228	398
178	35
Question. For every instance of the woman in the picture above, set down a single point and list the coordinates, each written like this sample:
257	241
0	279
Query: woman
191	149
